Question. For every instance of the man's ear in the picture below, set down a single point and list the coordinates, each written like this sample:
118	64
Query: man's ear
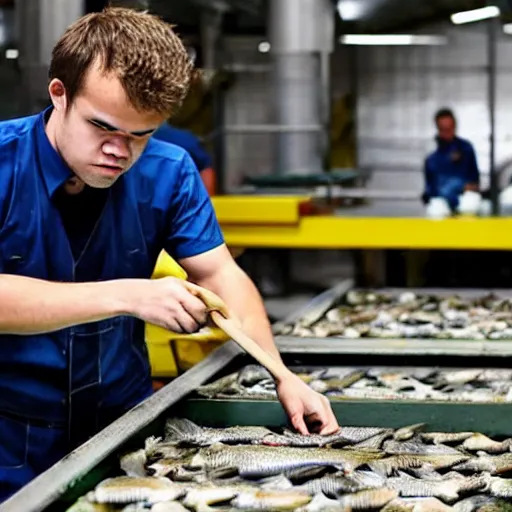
58	95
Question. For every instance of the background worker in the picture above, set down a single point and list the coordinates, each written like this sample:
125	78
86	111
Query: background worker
452	168
88	200
191	143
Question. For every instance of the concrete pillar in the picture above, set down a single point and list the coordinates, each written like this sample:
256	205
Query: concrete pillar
301	34
40	25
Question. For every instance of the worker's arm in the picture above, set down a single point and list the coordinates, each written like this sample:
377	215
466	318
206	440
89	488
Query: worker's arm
209	180
430	183
217	271
32	306
473	178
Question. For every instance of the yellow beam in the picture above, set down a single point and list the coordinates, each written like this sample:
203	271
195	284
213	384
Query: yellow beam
258	209
331	232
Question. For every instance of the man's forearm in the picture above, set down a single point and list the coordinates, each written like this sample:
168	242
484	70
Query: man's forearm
33	306
242	297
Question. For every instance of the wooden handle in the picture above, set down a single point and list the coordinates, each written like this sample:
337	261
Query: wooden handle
275	367
225	320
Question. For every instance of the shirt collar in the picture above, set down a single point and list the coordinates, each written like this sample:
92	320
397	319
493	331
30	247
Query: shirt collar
54	170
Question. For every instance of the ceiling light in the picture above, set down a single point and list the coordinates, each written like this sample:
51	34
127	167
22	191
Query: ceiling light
507	28
264	47
350	10
393	39
12	53
475	15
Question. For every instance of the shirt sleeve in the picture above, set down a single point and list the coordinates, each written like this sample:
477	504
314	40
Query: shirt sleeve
192	225
430	182
473	172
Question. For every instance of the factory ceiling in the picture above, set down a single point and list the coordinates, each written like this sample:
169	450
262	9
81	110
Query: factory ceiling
249	16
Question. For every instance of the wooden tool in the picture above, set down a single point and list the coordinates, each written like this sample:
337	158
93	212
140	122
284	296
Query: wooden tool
225	320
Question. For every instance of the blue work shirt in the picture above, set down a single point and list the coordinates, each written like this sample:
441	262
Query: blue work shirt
449	169
187	140
77	374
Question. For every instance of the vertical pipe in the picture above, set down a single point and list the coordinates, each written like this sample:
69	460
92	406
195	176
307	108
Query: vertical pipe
300	32
41	23
492	48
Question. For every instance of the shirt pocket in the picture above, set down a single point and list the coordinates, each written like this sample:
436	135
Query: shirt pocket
13	442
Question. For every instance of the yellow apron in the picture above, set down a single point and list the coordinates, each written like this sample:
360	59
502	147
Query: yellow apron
171	353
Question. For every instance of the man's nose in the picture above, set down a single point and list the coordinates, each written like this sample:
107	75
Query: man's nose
118	147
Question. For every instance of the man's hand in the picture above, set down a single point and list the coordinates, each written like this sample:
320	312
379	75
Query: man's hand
306	407
168	303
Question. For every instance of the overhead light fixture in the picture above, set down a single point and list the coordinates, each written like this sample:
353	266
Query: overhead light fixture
350	10
507	28
264	47
12	53
484	13
393	40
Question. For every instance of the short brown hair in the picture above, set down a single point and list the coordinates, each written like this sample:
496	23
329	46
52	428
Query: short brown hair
142	50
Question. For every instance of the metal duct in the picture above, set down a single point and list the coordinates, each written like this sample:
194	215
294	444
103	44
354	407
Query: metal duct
300	33
40	24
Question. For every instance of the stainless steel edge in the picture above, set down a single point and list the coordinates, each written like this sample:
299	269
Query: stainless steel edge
361	346
50	485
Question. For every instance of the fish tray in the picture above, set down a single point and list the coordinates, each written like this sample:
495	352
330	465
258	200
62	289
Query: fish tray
314	311
80	471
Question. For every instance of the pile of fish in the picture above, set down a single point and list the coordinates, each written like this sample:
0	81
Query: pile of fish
368	314
203	469
475	385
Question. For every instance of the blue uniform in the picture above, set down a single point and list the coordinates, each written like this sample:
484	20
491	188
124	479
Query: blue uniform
186	140
449	169
58	389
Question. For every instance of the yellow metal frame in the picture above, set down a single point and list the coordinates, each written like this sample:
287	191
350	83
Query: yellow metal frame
268	221
376	233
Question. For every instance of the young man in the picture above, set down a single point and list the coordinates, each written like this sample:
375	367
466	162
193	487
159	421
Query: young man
452	168
188	141
87	202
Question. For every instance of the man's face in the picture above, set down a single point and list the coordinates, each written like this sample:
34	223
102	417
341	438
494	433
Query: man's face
101	135
446	128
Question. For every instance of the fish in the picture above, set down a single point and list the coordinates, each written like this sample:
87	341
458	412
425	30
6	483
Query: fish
252	374
134	463
338	384
499	487
496	506
83	504
472	503
254	461
368	499
332	485
359	434
480	442
484	463
168	506
416	505
321	503
227	385
393	447
445	437
373	443
406	433
446	489
393	463
271	500
126	489
289	438
201	498
184	431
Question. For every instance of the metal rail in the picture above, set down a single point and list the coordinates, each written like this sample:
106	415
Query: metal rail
51	485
